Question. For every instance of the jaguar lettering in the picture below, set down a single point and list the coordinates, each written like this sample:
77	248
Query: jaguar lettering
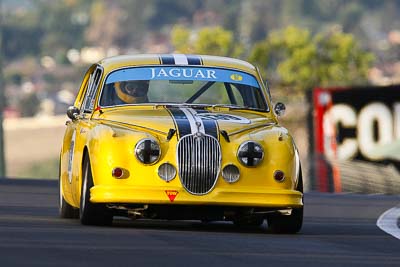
182	73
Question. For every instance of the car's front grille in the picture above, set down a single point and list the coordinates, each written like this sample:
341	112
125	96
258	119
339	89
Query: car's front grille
199	161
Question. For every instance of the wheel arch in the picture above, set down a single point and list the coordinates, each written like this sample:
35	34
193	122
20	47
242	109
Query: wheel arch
85	153
88	153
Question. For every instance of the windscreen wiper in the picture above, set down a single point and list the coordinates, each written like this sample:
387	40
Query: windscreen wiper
234	107
188	105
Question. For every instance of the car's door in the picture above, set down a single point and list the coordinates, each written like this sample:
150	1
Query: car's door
75	137
83	126
68	149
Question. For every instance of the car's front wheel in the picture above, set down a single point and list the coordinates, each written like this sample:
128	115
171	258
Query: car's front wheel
288	224
91	213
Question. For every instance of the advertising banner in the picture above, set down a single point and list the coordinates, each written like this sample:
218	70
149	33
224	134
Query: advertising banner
360	123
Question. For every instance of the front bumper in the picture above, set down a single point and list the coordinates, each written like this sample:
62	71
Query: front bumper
178	196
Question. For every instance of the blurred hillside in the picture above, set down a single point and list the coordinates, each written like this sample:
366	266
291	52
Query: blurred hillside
47	45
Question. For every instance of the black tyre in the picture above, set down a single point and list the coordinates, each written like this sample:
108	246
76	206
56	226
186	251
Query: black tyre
91	213
288	224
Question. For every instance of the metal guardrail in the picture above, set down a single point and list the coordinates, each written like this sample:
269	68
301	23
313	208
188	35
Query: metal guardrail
353	176
369	178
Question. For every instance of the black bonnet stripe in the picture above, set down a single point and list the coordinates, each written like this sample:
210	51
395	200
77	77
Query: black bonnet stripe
194	60
210	125
183	123
167	60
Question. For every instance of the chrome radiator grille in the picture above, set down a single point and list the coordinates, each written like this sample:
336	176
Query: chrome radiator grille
199	161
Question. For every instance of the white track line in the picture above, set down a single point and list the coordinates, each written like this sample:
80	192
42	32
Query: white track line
388	222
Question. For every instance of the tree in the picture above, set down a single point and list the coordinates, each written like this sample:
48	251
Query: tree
63	24
180	39
104	32
29	105
294	57
208	40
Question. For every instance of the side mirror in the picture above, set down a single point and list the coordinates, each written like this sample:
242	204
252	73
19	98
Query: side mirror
72	112
279	109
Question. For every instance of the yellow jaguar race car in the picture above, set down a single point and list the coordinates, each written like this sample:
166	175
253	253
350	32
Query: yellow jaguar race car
175	137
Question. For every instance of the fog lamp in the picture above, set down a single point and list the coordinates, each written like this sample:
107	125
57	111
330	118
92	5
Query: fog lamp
231	173
167	172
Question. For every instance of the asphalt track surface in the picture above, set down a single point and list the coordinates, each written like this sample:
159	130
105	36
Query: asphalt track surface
339	230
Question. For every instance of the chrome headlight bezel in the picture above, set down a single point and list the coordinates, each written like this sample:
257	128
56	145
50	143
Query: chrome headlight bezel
256	154
148	151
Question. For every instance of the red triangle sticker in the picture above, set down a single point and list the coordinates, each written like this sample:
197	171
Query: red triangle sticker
171	194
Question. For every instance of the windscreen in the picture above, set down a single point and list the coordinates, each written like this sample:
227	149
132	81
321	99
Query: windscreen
182	85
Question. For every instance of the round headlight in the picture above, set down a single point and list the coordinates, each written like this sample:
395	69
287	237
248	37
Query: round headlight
167	172
250	153
147	151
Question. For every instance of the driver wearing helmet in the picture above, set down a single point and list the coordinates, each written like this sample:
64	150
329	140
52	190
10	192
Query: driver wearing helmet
132	92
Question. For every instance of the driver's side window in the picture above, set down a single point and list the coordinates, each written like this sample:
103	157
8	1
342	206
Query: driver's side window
90	95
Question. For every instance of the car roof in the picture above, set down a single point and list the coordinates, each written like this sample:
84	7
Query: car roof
117	62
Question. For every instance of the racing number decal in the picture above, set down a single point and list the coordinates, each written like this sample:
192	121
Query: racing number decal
71	156
171	194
